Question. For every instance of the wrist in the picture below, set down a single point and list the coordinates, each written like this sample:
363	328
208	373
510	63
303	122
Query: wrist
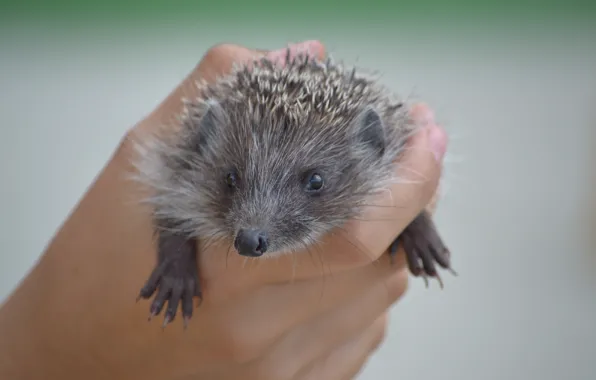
74	315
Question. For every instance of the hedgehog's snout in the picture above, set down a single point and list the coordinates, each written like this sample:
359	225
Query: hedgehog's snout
251	242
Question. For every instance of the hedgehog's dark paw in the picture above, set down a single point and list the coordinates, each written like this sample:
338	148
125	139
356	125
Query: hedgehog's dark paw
424	248
176	281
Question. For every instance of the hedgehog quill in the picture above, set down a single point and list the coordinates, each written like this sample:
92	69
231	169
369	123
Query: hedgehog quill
271	158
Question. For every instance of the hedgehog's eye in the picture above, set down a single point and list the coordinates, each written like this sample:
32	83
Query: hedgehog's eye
231	180
315	182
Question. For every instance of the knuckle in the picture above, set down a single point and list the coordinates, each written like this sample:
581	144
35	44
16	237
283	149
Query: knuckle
219	59
216	57
426	192
218	51
396	285
380	332
431	206
126	146
240	344
431	189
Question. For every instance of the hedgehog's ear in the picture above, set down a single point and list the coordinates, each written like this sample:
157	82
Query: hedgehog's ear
207	125
369	130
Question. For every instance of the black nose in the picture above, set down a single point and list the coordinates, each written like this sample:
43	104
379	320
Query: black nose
251	243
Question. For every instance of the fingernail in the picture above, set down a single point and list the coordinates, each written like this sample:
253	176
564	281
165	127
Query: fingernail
438	141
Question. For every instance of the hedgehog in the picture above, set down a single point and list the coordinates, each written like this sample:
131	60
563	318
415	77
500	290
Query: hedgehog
270	158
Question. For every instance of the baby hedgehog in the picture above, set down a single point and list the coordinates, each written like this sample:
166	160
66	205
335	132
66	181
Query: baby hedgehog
269	159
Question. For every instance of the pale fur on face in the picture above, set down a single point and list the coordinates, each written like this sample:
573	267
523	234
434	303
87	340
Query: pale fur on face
274	127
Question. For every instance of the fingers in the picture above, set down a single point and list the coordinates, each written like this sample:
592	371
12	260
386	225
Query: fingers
345	362
417	176
317	330
216	62
331	329
360	294
220	59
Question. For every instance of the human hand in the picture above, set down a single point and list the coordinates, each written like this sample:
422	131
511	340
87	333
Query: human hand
228	278
254	322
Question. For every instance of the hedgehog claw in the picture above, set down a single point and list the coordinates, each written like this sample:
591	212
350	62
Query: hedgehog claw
424	249
175	279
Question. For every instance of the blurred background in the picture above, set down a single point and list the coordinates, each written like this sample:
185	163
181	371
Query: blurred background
514	83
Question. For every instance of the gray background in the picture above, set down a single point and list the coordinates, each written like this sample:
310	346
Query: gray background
518	208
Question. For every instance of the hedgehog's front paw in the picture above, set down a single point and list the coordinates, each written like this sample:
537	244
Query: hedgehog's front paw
424	248
176	281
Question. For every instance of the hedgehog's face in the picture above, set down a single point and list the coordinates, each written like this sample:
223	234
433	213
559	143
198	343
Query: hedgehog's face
272	188
272	209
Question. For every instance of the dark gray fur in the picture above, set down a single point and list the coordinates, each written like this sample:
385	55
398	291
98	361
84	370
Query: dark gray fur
273	128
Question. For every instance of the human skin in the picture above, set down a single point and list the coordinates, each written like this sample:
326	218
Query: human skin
74	316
